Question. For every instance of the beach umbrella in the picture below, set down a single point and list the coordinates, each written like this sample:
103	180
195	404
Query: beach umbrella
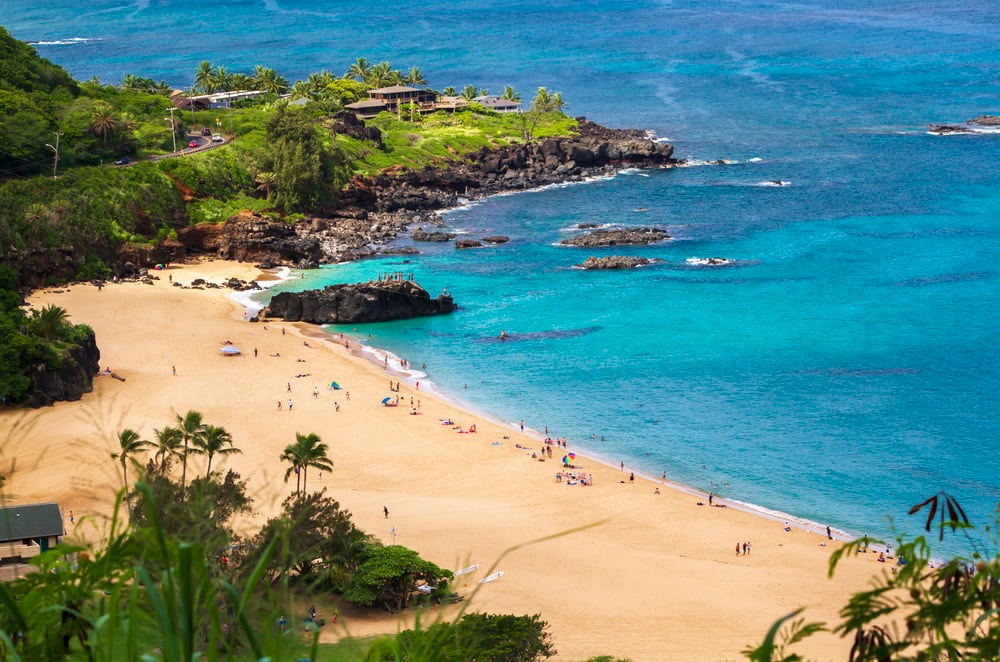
569	457
385	401
229	350
335	386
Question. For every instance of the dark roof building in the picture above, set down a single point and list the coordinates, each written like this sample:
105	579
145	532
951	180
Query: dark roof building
26	529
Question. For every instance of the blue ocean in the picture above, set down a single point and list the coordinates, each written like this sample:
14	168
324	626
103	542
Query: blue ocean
841	368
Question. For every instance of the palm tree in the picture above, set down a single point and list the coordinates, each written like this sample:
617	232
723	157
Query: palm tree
168	443
130	443
510	94
240	82
542	101
449	91
358	70
291	455
382	75
307	451
222	79
414	77
301	90
266	181
204	77
214	440
557	102
191	429
268	80
49	321
104	122
469	92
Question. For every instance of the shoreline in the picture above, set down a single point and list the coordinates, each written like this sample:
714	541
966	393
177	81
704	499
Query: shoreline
648	558
375	355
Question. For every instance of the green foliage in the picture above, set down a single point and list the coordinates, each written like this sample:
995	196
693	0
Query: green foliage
215	174
302	165
323	546
922	609
390	576
483	637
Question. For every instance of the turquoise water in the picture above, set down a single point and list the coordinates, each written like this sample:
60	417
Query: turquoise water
844	367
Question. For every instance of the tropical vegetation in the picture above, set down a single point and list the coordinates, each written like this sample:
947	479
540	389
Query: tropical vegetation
63	202
171	579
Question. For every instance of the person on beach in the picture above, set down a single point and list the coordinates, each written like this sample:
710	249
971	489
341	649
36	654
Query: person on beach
522	426
255	352
289	404
279	405
746	548
737	549
315	391
621	466
656	491
385	511
631	478
710	497
174	368
829	534
418	385
336	406
288	387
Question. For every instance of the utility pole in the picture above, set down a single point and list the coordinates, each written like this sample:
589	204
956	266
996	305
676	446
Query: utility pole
173	131
55	160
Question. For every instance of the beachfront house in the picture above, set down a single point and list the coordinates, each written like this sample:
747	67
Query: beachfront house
396	95
27	531
498	104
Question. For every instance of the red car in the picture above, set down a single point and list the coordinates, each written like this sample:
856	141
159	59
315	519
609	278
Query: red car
193	144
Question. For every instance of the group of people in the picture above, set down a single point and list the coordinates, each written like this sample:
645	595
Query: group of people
745	547
571	478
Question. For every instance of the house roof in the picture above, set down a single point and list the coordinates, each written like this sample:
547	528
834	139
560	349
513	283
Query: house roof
496	102
39	520
365	104
394	89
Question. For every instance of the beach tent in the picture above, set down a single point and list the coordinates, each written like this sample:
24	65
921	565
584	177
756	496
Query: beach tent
385	401
335	386
229	350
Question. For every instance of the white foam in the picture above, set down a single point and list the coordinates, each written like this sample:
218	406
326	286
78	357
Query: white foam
709	261
247	298
64	42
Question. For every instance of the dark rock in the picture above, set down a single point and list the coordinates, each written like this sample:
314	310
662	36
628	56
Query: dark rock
986	120
360	302
420	235
628	237
468	243
496	239
69	381
613	262
586	226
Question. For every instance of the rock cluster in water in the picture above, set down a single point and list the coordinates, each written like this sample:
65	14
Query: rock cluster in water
626	237
613	262
380	301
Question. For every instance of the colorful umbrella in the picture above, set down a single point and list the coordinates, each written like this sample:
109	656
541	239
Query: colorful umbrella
569	457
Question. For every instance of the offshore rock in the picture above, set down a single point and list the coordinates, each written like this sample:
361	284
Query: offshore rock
628	237
437	235
468	243
496	239
379	301
613	262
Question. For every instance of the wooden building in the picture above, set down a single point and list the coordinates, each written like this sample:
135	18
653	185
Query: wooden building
27	531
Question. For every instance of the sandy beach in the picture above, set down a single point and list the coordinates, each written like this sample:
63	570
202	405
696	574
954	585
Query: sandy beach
655	578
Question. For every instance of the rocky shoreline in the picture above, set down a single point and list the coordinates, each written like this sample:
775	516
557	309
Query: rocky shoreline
373	211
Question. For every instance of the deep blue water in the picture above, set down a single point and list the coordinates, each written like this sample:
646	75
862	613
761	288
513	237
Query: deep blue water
843	368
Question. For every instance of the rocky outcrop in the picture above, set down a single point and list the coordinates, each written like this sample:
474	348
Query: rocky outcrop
468	243
496	239
970	126
422	235
613	262
372	211
361	302
73	378
627	237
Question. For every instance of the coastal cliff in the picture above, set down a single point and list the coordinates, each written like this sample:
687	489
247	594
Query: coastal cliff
372	211
361	302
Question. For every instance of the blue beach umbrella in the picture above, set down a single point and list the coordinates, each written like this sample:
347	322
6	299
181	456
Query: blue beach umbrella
229	350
